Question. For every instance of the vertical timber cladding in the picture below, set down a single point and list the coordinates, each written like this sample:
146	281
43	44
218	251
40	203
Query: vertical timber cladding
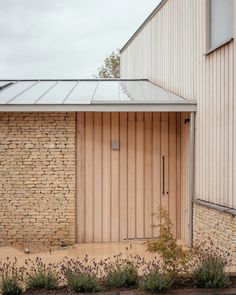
127	166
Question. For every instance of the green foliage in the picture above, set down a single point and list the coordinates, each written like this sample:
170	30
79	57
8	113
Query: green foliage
211	274
41	275
11	277
11	286
122	277
156	282
111	67
42	280
82	282
175	258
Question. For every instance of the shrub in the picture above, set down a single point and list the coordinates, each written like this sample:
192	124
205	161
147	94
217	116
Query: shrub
156	282
103	268
42	280
125	276
82	283
211	274
175	258
41	276
11	286
11	277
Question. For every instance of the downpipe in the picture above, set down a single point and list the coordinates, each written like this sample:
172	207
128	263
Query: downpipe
191	175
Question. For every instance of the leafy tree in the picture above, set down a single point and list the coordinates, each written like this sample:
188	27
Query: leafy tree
111	66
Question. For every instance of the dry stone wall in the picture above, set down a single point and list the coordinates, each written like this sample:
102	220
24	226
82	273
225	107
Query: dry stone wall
217	228
37	179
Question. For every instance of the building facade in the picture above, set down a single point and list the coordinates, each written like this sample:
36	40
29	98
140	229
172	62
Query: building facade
91	161
86	161
188	47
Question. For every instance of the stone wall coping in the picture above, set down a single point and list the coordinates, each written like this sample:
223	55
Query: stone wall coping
217	207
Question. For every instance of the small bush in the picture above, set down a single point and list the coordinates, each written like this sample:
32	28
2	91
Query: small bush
175	258
11	286
42	280
122	277
11	277
211	274
40	275
82	283
156	282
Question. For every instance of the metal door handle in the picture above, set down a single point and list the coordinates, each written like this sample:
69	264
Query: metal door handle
163	172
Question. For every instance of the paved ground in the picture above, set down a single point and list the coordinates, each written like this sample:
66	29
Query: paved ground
97	251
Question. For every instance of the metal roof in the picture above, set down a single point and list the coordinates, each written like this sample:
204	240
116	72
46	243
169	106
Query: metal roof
152	14
89	95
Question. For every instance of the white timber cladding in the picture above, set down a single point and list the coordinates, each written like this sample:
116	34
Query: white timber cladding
170	51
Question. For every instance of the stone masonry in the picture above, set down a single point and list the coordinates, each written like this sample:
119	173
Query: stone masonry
217	227
37	179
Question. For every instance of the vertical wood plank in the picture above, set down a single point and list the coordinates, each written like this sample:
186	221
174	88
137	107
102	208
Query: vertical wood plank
131	176
115	189
97	177
80	179
148	175
123	218
172	171
231	126
225	200
222	127
89	201
140	175
106	177
214	132
178	177
156	171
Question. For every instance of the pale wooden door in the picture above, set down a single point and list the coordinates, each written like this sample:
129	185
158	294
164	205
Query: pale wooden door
126	168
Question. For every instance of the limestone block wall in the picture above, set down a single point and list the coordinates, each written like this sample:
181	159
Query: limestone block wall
37	179
217	227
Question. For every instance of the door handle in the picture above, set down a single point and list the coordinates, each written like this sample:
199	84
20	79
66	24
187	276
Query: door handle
163	173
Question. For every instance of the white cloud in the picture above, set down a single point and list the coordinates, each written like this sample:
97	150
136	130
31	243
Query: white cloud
64	38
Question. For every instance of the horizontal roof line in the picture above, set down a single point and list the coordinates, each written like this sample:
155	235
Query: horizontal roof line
104	102
69	80
161	107
153	13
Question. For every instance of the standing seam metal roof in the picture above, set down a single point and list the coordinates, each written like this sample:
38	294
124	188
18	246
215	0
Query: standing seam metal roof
81	94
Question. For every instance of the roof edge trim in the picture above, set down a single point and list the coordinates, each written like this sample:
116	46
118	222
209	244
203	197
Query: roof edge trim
72	80
153	13
164	107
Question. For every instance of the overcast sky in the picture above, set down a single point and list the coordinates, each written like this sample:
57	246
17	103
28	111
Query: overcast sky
64	38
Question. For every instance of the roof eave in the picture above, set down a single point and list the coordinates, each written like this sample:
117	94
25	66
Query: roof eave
112	107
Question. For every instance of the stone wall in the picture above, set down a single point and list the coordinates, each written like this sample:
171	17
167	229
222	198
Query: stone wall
37	179
214	226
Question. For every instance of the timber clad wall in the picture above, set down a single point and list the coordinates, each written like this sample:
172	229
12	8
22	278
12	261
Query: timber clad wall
37	181
170	52
120	189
